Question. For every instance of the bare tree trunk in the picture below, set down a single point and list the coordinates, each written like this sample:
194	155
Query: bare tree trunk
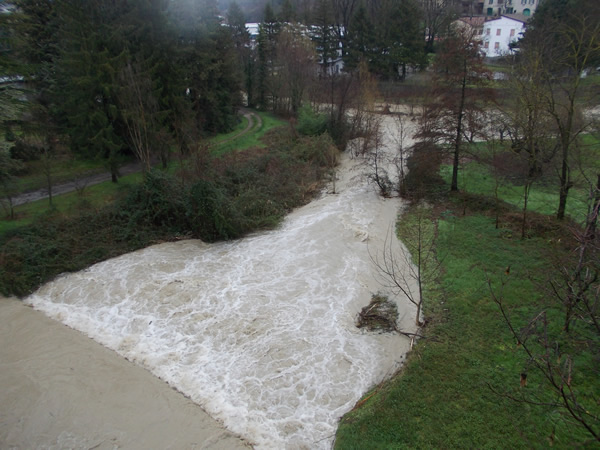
457	143
565	185
48	171
526	191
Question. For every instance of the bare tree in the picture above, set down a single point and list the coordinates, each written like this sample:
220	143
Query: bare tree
402	273
564	356
568	35
296	63
455	112
401	151
438	14
527	122
140	112
377	158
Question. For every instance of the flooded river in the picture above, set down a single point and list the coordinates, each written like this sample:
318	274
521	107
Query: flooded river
261	331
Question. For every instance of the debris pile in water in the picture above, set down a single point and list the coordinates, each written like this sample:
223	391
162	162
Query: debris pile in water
379	315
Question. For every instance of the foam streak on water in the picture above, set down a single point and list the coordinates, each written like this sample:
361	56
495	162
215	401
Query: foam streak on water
260	331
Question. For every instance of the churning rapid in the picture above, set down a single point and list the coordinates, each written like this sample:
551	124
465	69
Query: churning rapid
261	331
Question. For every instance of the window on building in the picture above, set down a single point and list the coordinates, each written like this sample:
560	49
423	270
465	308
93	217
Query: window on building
486	44
498	32
487	31
512	32
496	45
526	12
491	2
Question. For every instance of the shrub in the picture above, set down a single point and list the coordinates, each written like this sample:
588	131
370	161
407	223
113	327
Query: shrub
311	123
157	201
423	177
208	214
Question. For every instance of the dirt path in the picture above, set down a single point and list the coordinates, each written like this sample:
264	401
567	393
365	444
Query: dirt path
254	121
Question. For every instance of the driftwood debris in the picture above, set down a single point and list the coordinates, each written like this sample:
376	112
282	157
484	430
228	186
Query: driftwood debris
379	315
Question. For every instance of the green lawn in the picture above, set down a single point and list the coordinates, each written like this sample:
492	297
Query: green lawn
477	178
442	398
251	139
62	171
224	136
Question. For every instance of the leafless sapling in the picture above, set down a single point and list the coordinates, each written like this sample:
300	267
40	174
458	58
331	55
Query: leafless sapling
407	271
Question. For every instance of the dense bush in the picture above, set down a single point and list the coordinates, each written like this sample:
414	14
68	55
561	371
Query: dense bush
208	213
158	201
310	123
423	177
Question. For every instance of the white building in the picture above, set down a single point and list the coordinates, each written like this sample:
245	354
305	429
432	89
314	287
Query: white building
498	34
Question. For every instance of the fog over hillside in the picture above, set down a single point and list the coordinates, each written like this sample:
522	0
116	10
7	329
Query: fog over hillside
254	9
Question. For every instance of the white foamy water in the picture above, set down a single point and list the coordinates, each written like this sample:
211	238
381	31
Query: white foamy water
260	332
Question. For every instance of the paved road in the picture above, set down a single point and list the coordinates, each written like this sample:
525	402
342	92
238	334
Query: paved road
71	186
254	121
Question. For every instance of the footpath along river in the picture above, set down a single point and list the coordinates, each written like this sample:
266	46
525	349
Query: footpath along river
259	332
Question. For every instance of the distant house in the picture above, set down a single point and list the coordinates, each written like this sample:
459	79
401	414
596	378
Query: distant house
494	7
473	24
499	7
524	7
253	29
499	33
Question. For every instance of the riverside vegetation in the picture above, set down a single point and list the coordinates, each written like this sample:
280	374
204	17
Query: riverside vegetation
469	382
209	197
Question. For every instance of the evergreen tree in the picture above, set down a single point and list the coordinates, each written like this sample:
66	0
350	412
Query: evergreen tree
90	56
400	42
324	36
241	39
287	15
267	36
360	41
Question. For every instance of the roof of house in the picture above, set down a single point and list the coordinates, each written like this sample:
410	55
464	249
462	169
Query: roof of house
518	17
474	21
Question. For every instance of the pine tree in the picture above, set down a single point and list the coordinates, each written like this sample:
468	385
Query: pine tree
360	41
324	36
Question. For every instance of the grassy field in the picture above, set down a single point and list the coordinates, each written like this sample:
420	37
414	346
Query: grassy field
543	198
63	170
251	139
442	398
451	393
477	178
